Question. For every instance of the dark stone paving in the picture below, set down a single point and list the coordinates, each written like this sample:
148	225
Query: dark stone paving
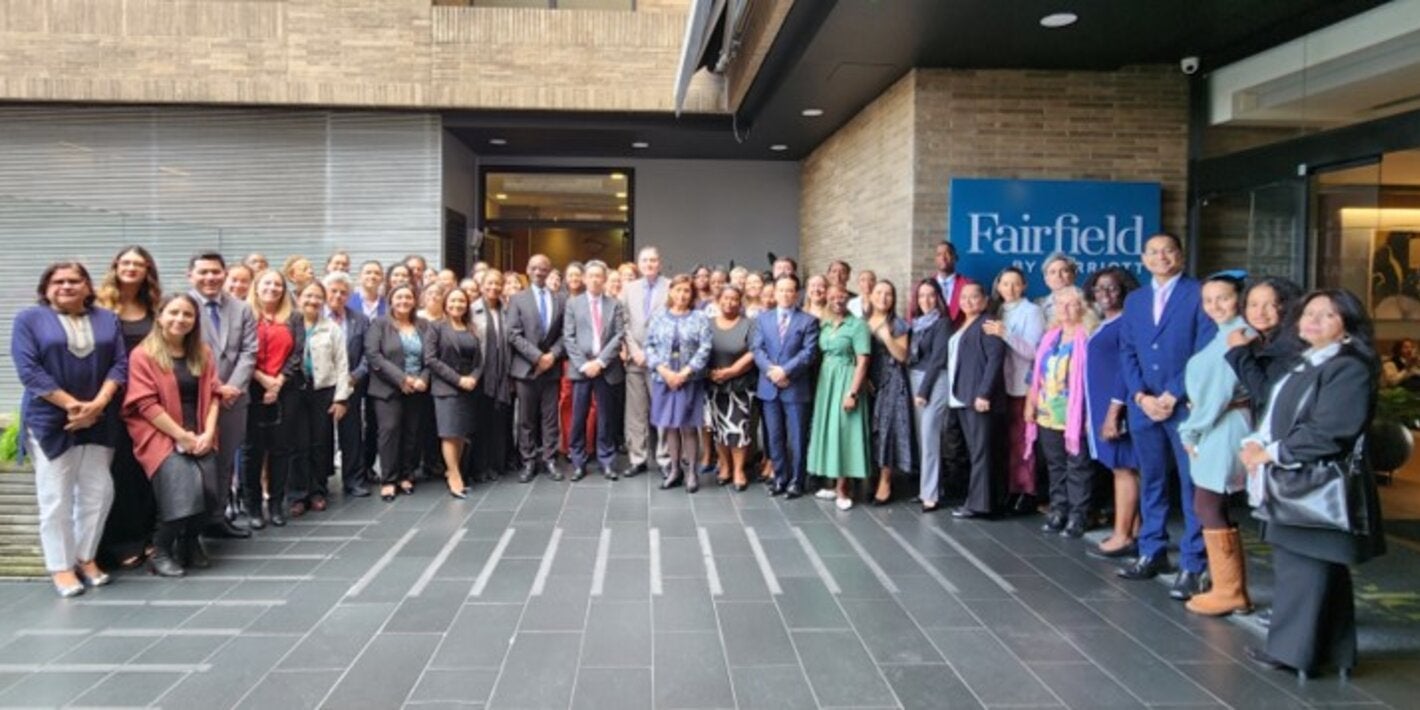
621	596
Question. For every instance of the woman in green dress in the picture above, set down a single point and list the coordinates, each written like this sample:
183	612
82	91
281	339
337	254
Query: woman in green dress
838	439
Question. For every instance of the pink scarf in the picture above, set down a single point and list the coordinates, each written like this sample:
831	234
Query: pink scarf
1075	398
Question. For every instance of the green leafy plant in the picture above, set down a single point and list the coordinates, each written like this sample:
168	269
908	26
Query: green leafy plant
1398	404
10	442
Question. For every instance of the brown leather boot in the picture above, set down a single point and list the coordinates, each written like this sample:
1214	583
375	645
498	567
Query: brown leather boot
1228	569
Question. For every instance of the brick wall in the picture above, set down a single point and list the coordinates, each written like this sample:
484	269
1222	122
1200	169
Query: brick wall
1130	124
856	191
369	53
936	124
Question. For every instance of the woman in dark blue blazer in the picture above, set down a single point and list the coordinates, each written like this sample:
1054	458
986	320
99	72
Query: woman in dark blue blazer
975	362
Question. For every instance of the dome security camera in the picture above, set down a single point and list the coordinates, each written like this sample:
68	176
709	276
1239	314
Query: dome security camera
1188	65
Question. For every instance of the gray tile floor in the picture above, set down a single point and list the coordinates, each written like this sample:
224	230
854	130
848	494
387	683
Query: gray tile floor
621	596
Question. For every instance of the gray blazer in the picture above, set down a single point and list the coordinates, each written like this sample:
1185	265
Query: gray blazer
528	337
234	344
384	353
633	303
581	346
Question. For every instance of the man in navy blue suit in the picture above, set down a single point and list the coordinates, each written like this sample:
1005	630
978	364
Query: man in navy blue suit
1163	327
785	341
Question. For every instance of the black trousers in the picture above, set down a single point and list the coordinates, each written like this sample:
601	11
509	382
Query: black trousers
371	434
351	430
956	456
1313	612
315	434
401	435
607	412
431	456
538	425
1071	476
493	421
272	438
134	513
982	483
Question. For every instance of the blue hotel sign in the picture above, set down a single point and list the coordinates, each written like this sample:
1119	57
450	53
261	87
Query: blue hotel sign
1000	223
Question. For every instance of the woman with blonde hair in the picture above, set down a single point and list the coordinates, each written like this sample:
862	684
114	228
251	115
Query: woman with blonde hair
298	271
270	429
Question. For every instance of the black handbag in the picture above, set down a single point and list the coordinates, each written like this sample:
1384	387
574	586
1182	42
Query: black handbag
1327	495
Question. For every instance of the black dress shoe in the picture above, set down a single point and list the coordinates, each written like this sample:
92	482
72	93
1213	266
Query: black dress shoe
163	565
256	523
1185	585
1053	524
965	514
1075	529
610	473
637	469
226	529
278	520
1145	568
553	473
793	491
578	473
527	475
1260	658
775	489
358	490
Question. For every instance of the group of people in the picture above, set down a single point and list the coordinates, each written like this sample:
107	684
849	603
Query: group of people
143	405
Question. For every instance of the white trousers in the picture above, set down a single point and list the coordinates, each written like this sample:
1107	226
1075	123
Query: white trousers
75	491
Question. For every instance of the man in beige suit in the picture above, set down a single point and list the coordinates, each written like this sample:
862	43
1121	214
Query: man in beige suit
641	299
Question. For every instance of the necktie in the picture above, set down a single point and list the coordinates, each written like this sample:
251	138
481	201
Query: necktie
597	323
783	324
216	315
1159	300
646	305
543	311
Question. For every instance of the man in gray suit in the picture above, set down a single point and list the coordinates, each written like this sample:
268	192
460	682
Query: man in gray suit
592	331
535	332
229	330
641	299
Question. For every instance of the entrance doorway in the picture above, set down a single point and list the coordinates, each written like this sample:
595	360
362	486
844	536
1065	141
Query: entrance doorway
569	214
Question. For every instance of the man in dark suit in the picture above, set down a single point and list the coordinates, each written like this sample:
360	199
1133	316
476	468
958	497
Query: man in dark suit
956	460
785	341
535	332
593	329
229	329
350	429
1162	327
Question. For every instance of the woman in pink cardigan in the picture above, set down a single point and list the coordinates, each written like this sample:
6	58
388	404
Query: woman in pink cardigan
171	414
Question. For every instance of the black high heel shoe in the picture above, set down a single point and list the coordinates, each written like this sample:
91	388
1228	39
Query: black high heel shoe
387	493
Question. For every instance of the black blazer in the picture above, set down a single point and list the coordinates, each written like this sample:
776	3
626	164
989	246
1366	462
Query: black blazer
980	361
927	353
384	355
527	336
447	363
1319	413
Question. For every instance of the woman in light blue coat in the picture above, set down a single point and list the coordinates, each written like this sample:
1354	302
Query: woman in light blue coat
1219	418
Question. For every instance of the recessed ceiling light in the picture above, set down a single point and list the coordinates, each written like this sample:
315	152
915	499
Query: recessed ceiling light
498	141
621	195
501	196
618	176
778	147
621	208
640	144
1056	20
812	112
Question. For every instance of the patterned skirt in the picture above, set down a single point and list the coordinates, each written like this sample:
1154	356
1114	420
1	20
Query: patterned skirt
892	422
732	417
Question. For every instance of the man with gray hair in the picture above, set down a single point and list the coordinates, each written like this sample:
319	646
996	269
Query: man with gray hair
640	300
350	428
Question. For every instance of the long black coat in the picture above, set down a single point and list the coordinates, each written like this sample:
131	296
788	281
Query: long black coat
1319	413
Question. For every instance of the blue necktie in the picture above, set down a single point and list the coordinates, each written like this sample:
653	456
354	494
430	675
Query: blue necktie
216	315
542	310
